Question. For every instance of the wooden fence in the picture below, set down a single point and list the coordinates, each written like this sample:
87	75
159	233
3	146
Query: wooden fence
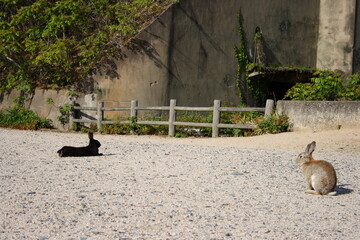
134	108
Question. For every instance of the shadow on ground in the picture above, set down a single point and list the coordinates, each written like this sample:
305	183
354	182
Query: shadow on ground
341	190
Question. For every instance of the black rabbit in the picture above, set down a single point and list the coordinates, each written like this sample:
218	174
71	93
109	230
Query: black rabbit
91	150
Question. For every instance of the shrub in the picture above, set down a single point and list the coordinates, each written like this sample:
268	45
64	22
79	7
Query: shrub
352	88
326	86
274	124
238	118
116	128
184	131
134	128
19	117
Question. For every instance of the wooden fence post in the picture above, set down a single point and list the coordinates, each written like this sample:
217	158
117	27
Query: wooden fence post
99	114
216	119
133	111
269	107
172	117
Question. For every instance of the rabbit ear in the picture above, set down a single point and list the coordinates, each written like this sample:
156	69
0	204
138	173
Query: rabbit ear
91	135
310	148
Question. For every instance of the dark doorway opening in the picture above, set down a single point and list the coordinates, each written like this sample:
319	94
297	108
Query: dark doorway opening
280	80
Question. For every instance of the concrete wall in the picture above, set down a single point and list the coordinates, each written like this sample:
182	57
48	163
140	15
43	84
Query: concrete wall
336	35
187	53
356	54
320	115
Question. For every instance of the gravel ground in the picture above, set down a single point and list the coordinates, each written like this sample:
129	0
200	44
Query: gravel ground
169	188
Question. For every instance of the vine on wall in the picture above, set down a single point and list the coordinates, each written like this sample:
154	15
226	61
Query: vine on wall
242	58
247	69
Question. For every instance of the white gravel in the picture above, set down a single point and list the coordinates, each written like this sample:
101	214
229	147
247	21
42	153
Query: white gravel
168	188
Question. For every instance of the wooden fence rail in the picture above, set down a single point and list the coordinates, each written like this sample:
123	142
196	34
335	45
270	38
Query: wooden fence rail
134	108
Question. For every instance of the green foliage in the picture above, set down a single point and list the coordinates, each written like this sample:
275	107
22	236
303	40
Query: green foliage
19	117
134	128
241	56
57	44
301	91
183	131
116	128
352	88
326	86
194	117
49	101
257	86
65	112
71	94
274	124
85	129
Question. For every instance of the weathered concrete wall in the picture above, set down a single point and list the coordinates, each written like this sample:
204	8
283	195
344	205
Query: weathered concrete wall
320	115
336	35
356	54
187	53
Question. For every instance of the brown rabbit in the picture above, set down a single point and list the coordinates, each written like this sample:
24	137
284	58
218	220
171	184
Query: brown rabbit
91	150
320	175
